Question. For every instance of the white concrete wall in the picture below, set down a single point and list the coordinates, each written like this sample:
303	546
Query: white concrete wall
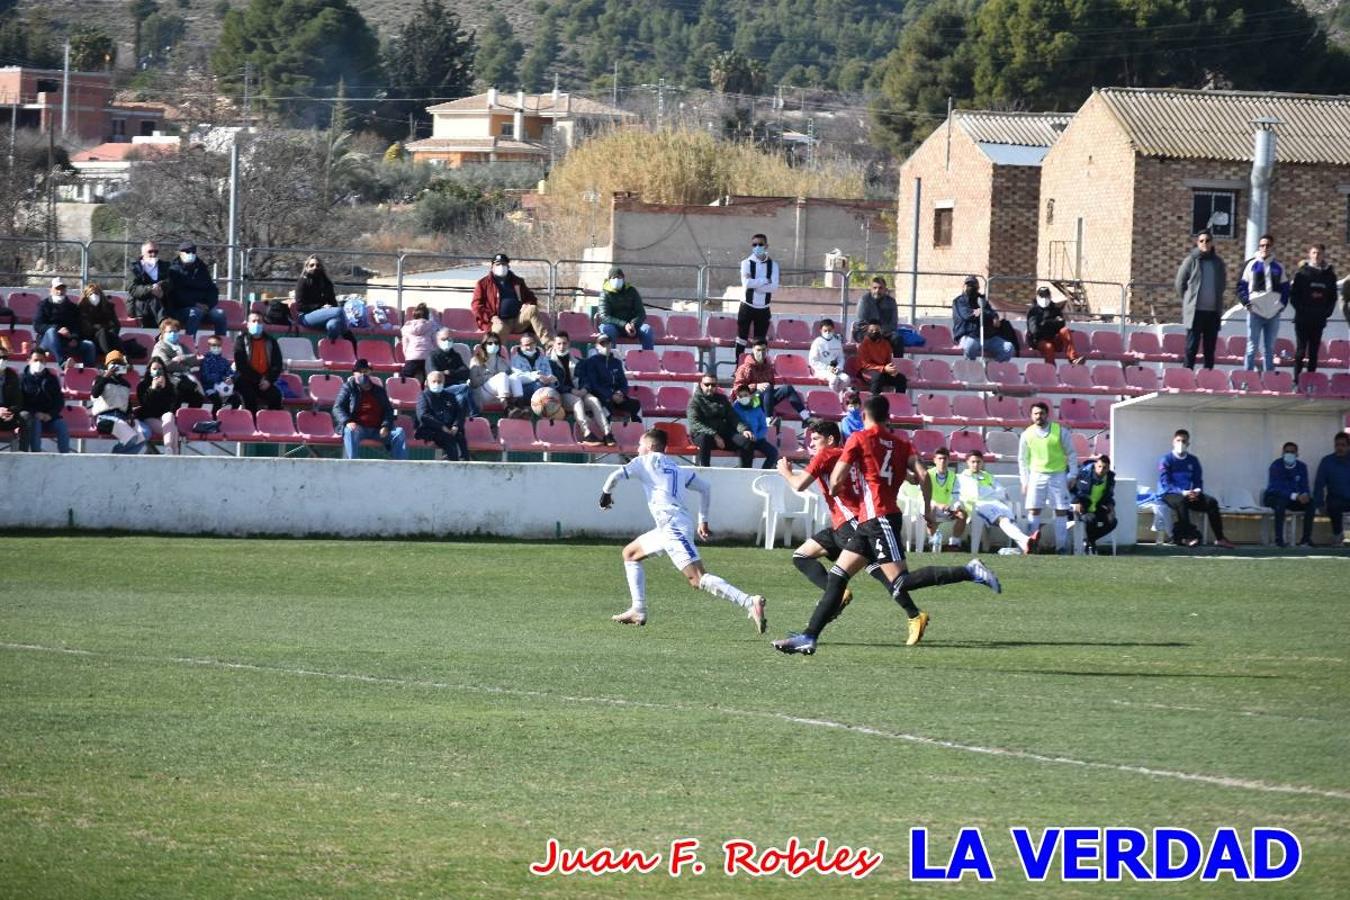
231	496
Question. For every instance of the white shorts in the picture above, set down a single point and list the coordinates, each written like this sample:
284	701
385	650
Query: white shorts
674	539
993	510
943	514
1048	491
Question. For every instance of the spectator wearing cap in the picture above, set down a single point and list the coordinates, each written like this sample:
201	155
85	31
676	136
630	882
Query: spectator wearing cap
876	361
440	419
1047	330
972	319
41	402
11	397
503	304
98	320
194	295
757	371
363	412
112	406
621	311
57	325
602	375
257	363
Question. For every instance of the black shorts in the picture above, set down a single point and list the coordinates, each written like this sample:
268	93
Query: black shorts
834	540
879	540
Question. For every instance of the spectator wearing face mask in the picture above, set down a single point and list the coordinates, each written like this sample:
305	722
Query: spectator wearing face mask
99	324
503	305
757	370
876	362
1289	488
491	376
878	305
419	339
217	376
112	407
1047	330
316	302
57	327
751	414
1181	484
974	319
178	363
446	360
257	363
41	403
602	376
1200	283
149	286
714	425
826	358
1331	487
194	295
440	419
11	397
759	278
363	412
621	311
156	403
852	420
532	365
1313	296
586	408
1264	293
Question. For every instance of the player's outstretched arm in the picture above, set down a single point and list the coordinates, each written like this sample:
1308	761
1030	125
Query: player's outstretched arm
798	481
607	492
704	489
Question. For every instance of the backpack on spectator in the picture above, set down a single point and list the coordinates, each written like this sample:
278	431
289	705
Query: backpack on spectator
911	337
354	310
278	313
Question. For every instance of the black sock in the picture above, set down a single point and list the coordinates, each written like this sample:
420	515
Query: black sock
812	569
875	571
933	576
906	602
830	603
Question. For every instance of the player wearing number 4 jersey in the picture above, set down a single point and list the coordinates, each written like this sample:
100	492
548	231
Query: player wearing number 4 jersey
665	483
877	462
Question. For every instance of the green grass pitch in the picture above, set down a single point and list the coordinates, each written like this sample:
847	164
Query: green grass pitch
197	717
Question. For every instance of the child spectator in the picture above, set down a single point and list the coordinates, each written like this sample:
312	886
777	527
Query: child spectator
826	358
217	376
751	414
419	339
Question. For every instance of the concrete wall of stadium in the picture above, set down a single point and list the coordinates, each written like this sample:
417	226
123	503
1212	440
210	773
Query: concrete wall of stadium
358	498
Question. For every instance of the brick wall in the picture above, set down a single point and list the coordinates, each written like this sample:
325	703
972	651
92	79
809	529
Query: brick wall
1013	230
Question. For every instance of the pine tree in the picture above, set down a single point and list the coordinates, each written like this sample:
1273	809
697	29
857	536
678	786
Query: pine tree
430	57
499	55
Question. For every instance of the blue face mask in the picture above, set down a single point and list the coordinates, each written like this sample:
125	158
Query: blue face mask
435	388
760	251
1290	459
171	337
255	328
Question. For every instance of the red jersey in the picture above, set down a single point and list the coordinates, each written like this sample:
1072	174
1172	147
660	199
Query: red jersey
882	459
842	504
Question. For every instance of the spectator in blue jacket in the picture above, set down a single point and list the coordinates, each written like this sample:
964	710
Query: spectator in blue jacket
969	307
532	365
1287	487
1264	293
363	412
602	375
751	413
1332	487
40	396
57	326
1181	483
440	419
1094	500
852	420
194	295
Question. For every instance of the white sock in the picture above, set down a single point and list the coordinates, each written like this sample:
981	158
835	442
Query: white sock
1011	530
637	585
719	588
1033	522
1061	531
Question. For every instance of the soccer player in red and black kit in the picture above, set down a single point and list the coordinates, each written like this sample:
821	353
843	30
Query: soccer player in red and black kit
876	462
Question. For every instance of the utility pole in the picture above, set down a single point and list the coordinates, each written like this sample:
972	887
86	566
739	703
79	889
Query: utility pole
614	95
13	127
248	75
65	94
660	104
233	237
811	143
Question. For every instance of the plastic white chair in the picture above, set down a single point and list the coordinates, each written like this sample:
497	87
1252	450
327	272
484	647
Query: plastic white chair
776	512
911	510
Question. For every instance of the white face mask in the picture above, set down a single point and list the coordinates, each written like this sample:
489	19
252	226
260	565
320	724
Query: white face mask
500	271
602	349
35	367
617	283
491	349
435	388
1042	302
1179	448
827	335
95	299
444	345
758	355
188	258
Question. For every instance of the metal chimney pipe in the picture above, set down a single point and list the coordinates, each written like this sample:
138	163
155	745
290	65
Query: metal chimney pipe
1263	166
518	123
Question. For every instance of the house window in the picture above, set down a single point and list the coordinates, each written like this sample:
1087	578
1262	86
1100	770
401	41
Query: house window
147	128
1215	210
1050	211
119	127
942	227
506	129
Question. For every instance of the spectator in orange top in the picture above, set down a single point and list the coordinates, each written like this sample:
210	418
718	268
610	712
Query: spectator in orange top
503	305
1048	331
876	361
257	360
757	371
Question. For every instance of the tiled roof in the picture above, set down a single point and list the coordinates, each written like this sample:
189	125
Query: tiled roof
1218	124
539	104
1023	129
119	152
476	145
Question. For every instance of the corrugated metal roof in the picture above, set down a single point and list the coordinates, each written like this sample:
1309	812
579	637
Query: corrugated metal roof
1023	129
1218	124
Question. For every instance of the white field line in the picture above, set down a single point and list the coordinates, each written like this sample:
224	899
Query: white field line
1218	780
1252	713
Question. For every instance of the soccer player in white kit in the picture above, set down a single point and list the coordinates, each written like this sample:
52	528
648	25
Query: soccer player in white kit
665	483
989	500
1045	457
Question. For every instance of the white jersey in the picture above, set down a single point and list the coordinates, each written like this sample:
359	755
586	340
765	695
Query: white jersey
969	489
666	485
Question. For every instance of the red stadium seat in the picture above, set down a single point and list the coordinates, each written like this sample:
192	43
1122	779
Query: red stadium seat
1145	345
938	339
1212	380
721	330
378	352
79	424
277	426
1110	377
478	432
403	392
1078	413
236	424
1042	376
1315	384
647	398
672	398
1337	355
558	437
793	334
124	316
1108	345
902	409
518	435
970	409
1142	380
684	330
1178	379
24	305
963	443
936	375
234	314
642	364
1077	380
580	328
679	364
294	394
186	417
1006	412
677	436
316	427
76	382
936	409
1174	346
337	355
1101	444
461	324
824	404
1005	373
927	441
627	434
793	369
324	388
1236	350
1340	384
1101	410
1082	447
1245	382
1277	383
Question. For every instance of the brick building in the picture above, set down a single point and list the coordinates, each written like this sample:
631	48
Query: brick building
33	97
980	183
1139	171
497	127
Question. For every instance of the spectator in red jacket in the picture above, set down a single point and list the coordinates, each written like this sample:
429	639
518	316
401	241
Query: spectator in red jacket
757	371
876	361
504	305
